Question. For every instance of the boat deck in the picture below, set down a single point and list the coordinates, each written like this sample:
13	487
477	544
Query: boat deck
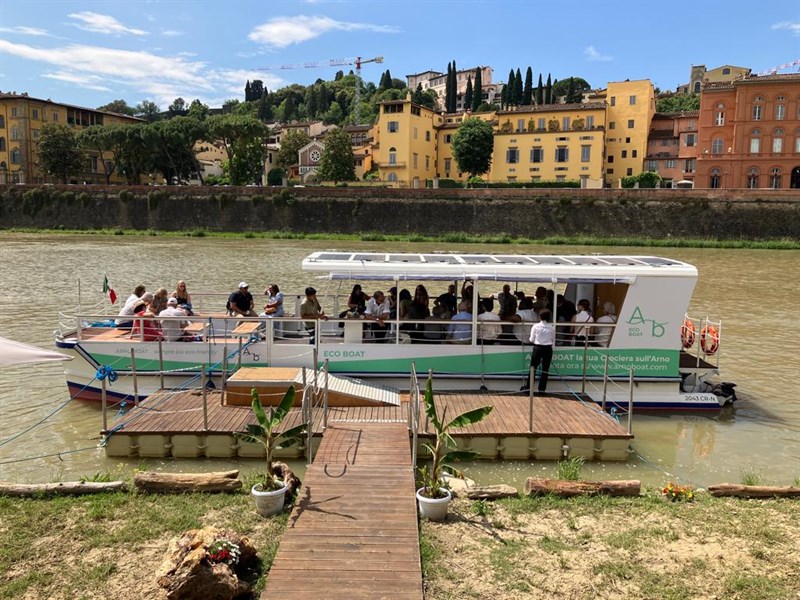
171	423
353	531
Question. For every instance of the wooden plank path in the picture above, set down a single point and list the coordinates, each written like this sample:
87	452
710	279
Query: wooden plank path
353	531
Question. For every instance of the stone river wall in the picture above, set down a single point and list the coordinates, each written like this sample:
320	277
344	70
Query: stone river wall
534	213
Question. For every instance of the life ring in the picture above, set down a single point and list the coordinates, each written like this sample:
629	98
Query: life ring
687	333
709	339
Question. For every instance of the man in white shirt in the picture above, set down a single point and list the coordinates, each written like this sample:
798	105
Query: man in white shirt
125	317
172	329
582	318
377	310
490	328
542	338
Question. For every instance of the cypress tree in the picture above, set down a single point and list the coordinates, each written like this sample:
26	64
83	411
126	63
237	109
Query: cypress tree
540	92
553	95
454	88
527	93
570	91
477	91
468	94
447	88
509	89
247	92
388	79
517	88
548	91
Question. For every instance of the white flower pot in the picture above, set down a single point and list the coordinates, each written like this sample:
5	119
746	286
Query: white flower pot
434	509
268	503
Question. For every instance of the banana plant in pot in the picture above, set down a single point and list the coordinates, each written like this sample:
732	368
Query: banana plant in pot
269	495
433	497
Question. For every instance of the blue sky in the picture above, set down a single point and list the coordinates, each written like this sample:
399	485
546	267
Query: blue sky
91	52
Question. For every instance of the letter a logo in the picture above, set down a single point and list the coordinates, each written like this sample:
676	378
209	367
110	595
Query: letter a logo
636	318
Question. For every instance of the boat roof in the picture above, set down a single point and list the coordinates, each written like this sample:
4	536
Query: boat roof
498	267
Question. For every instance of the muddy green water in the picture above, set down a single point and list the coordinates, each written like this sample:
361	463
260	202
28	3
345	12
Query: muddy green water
754	292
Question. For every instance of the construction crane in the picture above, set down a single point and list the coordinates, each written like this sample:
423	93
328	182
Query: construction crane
774	70
336	62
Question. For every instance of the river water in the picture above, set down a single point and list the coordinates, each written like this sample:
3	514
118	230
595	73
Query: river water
754	293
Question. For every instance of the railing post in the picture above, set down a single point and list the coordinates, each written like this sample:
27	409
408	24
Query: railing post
161	363
585	354
325	397
205	398
224	370
605	382
104	403
239	355
135	380
531	373
630	402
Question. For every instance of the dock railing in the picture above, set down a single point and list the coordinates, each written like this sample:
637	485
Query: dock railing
315	397
413	411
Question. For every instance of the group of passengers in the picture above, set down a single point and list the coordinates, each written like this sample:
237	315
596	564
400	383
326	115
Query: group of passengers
140	310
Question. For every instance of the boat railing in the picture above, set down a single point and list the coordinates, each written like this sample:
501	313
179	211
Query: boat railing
315	398
702	340
413	411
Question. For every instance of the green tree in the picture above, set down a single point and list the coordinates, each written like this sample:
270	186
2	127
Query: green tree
548	91
468	94
174	155
59	153
454	88
290	145
265	108
527	92
177	108
198	110
245	140
99	140
334	115
540	92
561	88
118	106
337	162
672	103
147	110
448	88
517	88
135	156
472	146
477	90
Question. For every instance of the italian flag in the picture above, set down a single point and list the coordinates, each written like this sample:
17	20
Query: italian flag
107	289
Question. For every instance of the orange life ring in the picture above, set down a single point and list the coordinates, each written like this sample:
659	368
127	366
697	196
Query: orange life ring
709	339
687	333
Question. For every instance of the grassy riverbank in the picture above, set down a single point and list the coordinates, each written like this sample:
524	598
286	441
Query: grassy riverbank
109	546
449	238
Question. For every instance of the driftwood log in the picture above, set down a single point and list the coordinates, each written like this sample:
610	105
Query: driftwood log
753	491
559	487
221	481
490	492
64	488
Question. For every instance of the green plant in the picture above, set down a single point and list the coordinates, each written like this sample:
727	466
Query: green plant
431	477
678	493
482	508
570	470
265	432
750	477
223	551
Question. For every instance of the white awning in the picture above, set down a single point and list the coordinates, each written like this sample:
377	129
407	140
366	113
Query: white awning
16	353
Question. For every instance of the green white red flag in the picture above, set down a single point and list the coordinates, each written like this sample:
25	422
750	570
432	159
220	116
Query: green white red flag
107	289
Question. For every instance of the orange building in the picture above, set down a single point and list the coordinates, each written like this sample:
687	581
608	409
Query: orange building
749	133
672	147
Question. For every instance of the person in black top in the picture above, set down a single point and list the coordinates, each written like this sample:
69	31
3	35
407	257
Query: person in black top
448	301
241	302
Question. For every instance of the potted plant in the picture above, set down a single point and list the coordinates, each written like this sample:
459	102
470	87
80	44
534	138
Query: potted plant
269	494
433	496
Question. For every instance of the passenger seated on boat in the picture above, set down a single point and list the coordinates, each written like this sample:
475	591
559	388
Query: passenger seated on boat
356	302
467	291
159	302
436	329
490	329
602	335
241	302
144	328
183	297
124	320
459	331
274	305
311	309
540	301
565	310
392	296
580	331
448	301
418	311
377	312
527	315
172	330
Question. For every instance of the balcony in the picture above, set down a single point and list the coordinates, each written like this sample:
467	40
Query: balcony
400	164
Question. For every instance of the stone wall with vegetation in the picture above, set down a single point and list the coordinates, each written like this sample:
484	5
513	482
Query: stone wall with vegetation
718	214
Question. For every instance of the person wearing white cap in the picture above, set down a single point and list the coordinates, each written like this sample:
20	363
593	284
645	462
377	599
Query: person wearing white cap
241	302
172	329
602	335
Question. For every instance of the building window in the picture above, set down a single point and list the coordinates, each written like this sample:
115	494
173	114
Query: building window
415	133
35	134
775	178
537	154
777	142
34	113
714	179
427	136
520	125
629	171
634	153
586	153
562	154
726	71
716	146
427	162
540	123
632	100
55	116
448	138
15	157
392	156
565	124
689	165
415	160
392	177
561	177
670	164
623	154
651	165
613	100
757	110
394	126
720	118
610	158
610	171
752	178
447	164
590	122
2	122
780	112
797	141
15	133
691	124
631	123
755	141
13	111
2	144
612	125
512	155
691	139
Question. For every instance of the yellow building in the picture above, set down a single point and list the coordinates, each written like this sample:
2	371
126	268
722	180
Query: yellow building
630	106
447	168
555	142
21	119
404	143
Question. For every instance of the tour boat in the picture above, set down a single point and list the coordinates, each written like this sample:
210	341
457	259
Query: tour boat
657	357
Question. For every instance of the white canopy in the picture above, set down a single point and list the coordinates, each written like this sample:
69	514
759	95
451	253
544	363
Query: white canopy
16	353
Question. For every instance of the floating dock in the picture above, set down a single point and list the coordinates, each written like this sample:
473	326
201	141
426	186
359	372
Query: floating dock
195	424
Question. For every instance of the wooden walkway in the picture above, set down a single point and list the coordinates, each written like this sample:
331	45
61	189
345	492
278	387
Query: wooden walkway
353	532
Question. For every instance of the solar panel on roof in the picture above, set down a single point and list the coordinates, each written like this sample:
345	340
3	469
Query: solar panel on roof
550	260
588	260
656	261
333	256
478	259
371	257
405	258
440	258
515	260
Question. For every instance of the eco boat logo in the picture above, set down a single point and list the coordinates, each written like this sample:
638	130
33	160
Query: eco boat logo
639	326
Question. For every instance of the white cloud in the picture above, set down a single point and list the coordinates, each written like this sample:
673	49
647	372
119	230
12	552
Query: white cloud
97	23
593	55
171	32
161	78
794	27
21	29
280	32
